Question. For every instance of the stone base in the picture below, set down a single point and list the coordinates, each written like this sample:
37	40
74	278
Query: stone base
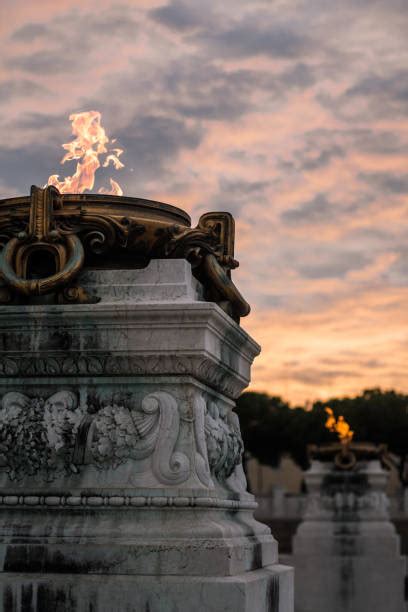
349	584
121	478
346	552
265	590
348	567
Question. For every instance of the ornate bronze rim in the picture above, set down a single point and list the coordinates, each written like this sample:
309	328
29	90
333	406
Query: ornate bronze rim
110	231
346	456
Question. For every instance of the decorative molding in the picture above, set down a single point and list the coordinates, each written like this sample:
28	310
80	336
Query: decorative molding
45	438
207	370
106	502
202	466
38	436
169	466
224	442
117	434
372	504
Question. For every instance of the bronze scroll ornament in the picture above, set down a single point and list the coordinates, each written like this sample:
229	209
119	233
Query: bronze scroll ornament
71	231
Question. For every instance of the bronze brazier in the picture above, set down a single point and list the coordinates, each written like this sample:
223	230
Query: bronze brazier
48	238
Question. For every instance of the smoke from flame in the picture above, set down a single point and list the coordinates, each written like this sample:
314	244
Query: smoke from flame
90	142
341	427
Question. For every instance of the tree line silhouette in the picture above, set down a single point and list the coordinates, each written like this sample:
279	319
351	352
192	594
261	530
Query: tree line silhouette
271	427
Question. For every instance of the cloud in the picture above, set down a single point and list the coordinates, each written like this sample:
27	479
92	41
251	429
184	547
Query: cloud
75	24
49	62
317	210
320	210
187	87
199	89
321	147
312	158
208	92
290	115
371	97
36	131
151	142
254	37
330	263
204	90
24	167
236	195
181	16
241	187
41	121
390	88
299	75
11	89
387	182
260	32
397	274
377	141
319	376
30	32
67	41
247	156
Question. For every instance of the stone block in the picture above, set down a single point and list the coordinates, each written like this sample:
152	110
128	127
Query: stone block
346	552
269	589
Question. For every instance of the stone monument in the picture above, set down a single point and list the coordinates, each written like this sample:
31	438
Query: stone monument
121	357
346	551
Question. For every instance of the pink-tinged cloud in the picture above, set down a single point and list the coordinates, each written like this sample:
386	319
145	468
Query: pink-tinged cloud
293	116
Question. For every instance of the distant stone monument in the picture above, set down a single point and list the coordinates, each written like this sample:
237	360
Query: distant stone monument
346	551
121	358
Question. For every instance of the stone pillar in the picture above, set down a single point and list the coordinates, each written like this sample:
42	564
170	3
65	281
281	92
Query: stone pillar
346	552
122	485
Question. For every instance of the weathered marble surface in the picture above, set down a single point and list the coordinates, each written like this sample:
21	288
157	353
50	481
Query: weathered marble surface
120	453
346	552
269	589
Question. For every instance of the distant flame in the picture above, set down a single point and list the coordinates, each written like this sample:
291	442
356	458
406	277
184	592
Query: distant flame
341	427
90	142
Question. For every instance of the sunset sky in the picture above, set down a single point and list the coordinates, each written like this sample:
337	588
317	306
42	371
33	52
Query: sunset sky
292	115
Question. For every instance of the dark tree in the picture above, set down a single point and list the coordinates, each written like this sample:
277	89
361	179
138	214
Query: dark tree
265	424
271	428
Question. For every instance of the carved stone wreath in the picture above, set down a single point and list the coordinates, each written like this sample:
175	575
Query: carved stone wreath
55	436
38	436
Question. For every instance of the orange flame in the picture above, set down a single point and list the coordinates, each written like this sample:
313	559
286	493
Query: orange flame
341	427
90	142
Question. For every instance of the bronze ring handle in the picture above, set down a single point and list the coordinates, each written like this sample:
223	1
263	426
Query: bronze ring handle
224	285
42	285
345	460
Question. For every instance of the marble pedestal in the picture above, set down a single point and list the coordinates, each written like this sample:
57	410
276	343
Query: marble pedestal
346	552
120	455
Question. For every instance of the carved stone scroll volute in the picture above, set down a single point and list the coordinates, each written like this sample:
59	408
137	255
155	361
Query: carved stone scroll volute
201	455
